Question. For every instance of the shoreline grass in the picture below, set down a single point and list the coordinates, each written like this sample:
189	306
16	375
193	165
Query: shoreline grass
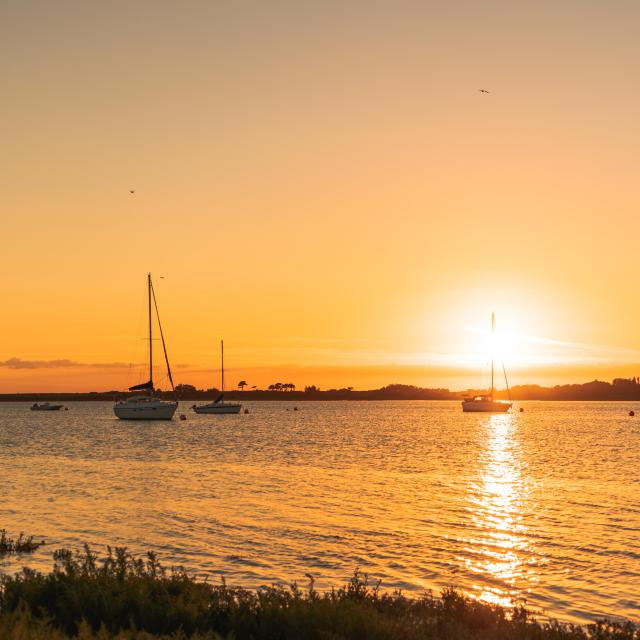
124	596
22	544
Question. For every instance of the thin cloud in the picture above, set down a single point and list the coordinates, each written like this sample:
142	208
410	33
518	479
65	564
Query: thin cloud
324	341
599	350
63	363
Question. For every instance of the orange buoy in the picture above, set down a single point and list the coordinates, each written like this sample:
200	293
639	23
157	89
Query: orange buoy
295	408
521	409
632	413
246	410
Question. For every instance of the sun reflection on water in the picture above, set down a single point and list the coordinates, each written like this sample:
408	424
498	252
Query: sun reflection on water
498	552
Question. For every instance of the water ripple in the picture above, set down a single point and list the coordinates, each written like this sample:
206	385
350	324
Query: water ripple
540	506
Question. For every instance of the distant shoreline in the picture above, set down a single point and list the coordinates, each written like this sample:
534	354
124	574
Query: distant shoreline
621	389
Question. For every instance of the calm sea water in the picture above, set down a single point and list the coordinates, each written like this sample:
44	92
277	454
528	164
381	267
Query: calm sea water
541	506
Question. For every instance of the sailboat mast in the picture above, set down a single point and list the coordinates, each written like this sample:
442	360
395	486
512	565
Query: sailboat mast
164	344
493	327
150	333
222	363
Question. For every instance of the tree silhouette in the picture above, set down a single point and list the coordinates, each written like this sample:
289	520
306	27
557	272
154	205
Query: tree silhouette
242	384
185	388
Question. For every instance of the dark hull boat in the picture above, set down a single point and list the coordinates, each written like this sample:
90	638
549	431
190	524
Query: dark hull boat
219	406
45	406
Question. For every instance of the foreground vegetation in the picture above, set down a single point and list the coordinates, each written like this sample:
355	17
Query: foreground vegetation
122	596
22	544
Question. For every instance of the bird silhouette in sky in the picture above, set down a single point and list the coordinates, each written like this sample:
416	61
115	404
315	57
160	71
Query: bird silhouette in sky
483	91
132	191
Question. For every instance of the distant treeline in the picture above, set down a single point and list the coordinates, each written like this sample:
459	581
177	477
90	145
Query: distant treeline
619	389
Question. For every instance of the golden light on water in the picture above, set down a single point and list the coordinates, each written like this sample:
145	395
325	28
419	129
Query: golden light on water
495	553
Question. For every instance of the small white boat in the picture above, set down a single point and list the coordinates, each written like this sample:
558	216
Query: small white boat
46	406
148	407
487	403
219	405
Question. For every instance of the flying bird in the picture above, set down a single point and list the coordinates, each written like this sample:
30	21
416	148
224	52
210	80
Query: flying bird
483	91
132	190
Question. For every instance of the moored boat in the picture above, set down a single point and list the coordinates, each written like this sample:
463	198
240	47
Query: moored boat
219	406
145	408
46	406
148	407
487	403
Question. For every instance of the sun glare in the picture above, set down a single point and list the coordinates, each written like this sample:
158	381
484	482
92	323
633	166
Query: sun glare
463	338
507	344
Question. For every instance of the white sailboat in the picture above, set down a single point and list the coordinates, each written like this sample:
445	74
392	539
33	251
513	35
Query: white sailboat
219	405
148	407
487	403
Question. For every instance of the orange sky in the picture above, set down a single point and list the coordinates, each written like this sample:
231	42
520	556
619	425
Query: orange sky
323	186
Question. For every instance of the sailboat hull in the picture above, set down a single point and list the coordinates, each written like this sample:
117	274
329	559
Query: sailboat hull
148	410
486	406
218	408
